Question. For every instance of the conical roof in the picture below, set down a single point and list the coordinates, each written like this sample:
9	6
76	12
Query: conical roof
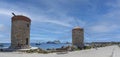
77	27
21	17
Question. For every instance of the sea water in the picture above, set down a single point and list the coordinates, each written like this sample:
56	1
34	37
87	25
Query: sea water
42	45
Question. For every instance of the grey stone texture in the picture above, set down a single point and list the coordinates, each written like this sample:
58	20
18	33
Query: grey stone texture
20	32
78	37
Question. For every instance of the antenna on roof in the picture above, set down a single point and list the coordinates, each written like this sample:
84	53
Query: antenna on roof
13	14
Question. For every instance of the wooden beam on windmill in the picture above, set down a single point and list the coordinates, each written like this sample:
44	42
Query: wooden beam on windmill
13	14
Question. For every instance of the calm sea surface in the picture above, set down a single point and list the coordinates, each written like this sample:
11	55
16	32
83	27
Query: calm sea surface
43	45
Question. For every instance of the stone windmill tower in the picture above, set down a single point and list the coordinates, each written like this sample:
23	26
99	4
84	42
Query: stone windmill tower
78	36
20	32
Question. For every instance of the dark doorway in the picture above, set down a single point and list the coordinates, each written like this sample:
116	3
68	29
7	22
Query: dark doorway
26	41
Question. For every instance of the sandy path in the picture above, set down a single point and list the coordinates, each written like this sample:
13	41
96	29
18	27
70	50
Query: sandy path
110	51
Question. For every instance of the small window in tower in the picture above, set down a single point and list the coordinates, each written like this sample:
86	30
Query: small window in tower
26	41
27	25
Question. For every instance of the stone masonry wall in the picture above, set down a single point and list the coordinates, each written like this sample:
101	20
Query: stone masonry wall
20	34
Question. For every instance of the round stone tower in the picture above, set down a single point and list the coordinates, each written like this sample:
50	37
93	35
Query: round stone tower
78	37
20	32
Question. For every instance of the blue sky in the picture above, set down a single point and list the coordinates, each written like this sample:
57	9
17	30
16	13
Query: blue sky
54	19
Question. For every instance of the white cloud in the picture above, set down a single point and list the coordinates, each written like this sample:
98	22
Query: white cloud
116	36
41	17
8	12
58	17
5	12
7	8
108	22
4	40
2	27
57	22
1	36
105	27
115	4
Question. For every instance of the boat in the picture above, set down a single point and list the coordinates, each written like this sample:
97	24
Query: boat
50	42
38	43
57	42
54	42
